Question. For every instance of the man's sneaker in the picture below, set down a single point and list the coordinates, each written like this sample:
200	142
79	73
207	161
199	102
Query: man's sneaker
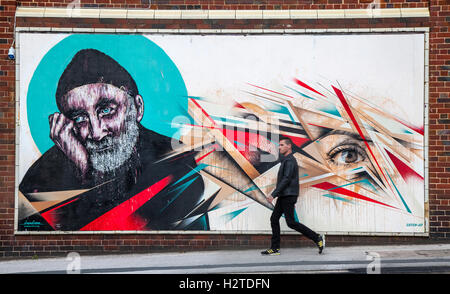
271	252
321	243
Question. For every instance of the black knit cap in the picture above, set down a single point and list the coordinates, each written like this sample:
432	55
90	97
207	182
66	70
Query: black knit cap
90	66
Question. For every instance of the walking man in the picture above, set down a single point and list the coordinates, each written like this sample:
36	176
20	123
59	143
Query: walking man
287	191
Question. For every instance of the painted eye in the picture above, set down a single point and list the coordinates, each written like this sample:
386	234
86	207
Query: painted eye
347	154
80	119
106	110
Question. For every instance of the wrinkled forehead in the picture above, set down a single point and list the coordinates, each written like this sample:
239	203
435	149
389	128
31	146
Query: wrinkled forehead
87	96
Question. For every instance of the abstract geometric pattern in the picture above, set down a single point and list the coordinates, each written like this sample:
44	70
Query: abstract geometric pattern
361	163
348	150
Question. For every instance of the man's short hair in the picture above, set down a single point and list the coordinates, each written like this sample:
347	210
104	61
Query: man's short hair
90	66
287	139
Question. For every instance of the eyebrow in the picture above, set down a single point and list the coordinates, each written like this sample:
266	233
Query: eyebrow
75	112
104	101
346	133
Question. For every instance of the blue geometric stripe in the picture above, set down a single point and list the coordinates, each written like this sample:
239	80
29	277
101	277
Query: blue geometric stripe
231	215
181	188
337	198
193	171
404	203
304	95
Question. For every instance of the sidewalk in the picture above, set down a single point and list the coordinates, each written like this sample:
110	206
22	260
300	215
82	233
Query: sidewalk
433	258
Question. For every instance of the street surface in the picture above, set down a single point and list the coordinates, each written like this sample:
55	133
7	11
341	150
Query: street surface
388	259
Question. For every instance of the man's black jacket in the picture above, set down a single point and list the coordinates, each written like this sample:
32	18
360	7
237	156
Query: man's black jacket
287	178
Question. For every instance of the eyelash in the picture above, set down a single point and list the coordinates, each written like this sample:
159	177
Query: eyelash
80	117
112	109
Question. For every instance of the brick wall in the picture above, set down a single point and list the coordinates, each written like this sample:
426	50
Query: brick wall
7	124
439	130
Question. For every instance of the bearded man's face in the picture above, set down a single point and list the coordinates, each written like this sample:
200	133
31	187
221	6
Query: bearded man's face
106	123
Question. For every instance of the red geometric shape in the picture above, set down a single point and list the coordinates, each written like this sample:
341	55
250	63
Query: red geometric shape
270	91
355	123
204	112
405	171
237	105
335	189
51	217
121	217
247	142
300	83
299	141
244	141
419	130
200	158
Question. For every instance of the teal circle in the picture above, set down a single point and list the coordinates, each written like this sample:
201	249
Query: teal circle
157	77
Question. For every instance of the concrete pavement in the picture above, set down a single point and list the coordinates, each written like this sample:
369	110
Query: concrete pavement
433	258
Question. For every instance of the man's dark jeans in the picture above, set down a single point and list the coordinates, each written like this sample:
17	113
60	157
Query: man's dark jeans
286	205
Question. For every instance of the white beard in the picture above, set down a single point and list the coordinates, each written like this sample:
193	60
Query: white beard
121	147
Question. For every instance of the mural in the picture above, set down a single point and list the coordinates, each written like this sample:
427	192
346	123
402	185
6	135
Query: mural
177	132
